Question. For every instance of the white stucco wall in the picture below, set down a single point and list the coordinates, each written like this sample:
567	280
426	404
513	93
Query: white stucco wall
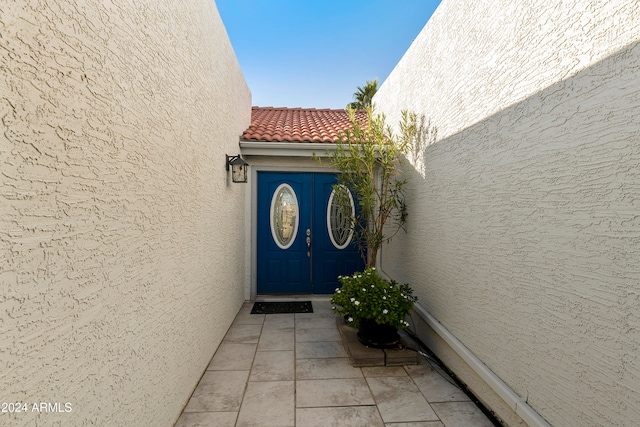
524	215
121	267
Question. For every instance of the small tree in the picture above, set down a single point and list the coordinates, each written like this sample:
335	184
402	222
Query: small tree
367	157
364	95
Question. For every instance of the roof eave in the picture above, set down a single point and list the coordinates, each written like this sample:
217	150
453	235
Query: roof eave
289	149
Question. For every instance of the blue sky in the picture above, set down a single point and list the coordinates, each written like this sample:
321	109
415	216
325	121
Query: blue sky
315	53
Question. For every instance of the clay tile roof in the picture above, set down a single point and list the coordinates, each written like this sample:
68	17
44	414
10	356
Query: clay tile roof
298	124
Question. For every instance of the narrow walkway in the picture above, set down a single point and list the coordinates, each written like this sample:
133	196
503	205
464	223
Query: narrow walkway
292	370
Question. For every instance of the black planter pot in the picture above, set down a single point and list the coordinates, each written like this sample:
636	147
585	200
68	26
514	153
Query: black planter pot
372	334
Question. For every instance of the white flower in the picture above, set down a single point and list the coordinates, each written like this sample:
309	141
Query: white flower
350	319
353	299
337	289
357	302
372	286
384	298
333	308
364	289
385	311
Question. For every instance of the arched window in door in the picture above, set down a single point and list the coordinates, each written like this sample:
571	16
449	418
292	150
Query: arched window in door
284	216
338	219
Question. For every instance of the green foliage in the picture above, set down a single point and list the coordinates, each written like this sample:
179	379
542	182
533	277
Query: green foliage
368	156
367	296
364	95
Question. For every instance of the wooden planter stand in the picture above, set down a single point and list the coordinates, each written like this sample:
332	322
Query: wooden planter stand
362	356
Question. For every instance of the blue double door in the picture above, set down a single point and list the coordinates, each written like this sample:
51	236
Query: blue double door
303	245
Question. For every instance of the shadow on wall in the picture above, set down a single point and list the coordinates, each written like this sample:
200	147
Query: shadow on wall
522	237
427	135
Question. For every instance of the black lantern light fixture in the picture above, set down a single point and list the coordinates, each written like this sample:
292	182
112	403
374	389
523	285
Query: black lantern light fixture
238	168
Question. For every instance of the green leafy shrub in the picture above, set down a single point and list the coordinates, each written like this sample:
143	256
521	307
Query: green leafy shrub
366	295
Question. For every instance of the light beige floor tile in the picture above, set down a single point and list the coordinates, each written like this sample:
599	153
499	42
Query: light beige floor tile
332	392
246	308
270	403
277	340
384	371
314	335
244	317
233	357
315	322
319	310
207	419
315	350
461	414
417	424
316	369
218	391
243	334
434	386
278	321
399	400
273	366
349	416
323	308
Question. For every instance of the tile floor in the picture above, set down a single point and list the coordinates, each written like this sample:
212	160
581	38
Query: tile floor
292	370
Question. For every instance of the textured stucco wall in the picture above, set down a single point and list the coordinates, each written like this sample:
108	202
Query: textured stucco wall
524	218
121	266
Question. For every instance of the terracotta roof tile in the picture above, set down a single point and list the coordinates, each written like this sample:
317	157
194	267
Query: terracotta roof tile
298	124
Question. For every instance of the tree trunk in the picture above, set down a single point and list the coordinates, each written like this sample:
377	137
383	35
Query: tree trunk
372	254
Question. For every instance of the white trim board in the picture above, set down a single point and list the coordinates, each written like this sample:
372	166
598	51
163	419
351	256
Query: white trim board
286	149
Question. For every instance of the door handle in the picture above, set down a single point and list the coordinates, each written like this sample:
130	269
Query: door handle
308	243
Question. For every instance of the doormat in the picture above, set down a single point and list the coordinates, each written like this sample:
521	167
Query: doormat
274	307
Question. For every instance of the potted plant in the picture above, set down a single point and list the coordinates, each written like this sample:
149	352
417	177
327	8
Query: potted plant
376	306
368	157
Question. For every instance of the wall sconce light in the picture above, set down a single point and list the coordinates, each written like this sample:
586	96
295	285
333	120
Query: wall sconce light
238	168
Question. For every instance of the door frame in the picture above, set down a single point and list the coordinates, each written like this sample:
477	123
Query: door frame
253	237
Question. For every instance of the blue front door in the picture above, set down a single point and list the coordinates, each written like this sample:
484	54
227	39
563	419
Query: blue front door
301	247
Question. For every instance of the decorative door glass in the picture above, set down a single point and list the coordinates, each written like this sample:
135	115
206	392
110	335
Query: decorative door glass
338	218
284	216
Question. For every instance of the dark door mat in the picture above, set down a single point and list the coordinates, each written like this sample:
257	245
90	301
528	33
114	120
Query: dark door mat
274	307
